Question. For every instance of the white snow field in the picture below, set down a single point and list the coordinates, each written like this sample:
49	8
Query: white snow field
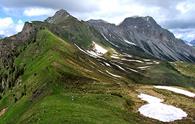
99	49
149	99
176	90
160	111
96	51
90	53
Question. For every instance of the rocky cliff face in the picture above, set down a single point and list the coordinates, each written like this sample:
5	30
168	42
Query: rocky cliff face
10	48
146	34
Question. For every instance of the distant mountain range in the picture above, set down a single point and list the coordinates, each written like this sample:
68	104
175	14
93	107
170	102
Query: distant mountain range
2	36
192	42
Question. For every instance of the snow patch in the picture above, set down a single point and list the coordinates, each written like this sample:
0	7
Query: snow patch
147	60
162	112
113	74
132	60
147	19
176	90
107	64
157	110
143	67
127	55
131	43
119	67
114	56
98	49
189	44
100	71
104	37
156	62
149	99
113	44
133	70
90	53
149	63
80	48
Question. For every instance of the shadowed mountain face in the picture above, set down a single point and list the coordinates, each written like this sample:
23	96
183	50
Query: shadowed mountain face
63	70
145	33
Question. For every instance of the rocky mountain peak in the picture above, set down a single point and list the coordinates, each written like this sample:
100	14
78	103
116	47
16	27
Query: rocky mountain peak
27	27
139	22
61	12
59	16
149	36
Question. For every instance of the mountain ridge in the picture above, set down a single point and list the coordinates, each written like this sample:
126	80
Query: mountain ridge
148	35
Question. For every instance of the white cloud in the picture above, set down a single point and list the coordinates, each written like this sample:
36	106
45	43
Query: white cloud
5	22
185	34
38	11
8	27
184	7
19	25
116	11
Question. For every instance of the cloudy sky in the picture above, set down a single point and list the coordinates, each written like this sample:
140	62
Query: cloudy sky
176	15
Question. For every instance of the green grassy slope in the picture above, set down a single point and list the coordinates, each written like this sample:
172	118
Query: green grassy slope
167	74
45	93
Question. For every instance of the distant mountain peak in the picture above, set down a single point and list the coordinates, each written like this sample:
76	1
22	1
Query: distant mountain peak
148	36
59	16
139	21
2	36
146	18
61	12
